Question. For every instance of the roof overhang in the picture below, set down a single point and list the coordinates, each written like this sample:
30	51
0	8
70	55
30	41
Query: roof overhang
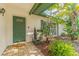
38	8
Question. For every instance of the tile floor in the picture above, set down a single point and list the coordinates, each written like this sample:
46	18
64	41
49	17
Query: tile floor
22	49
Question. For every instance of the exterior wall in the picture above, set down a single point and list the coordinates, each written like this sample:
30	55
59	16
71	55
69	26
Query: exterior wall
6	25
2	32
61	29
31	21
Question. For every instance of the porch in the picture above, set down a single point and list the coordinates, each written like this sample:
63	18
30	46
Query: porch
29	31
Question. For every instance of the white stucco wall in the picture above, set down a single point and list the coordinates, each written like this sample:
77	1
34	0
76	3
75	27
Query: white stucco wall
31	21
2	32
6	24
61	29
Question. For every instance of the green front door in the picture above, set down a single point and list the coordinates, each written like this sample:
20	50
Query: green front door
19	29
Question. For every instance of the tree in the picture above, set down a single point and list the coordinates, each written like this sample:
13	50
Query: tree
67	9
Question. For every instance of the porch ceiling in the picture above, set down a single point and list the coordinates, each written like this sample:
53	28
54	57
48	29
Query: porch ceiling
38	8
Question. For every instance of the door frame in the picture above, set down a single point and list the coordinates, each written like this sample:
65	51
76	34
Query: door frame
13	25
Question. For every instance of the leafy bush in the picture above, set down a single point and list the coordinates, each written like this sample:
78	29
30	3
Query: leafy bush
61	48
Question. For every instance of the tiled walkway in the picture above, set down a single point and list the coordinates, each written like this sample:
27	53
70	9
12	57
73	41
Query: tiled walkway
22	49
29	49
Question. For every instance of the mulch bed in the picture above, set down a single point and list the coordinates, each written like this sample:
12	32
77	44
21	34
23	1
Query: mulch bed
43	47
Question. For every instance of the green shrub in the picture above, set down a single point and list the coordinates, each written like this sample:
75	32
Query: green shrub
61	48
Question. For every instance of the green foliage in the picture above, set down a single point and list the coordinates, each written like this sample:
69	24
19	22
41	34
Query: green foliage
69	6
45	28
61	48
68	26
77	23
54	6
57	20
66	9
